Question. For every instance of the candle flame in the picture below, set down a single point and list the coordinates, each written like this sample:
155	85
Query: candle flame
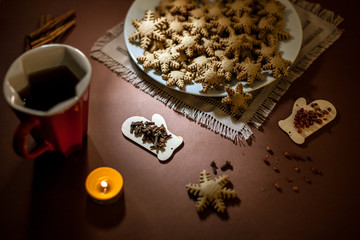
104	185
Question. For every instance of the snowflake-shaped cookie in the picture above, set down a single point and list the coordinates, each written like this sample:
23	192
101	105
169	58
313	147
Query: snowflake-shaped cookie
175	26
236	99
265	52
226	66
235	43
147	60
211	191
277	34
181	6
182	59
265	25
156	45
165	60
188	43
271	8
214	9
171	17
246	53
222	24
246	23
249	71
198	25
178	78
148	29
163	7
210	45
210	77
278	65
238	7
197	12
199	63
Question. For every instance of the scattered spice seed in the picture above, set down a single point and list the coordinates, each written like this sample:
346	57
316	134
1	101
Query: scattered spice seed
295	188
314	170
308	180
276	160
287	155
226	165
276	169
297	169
266	160
277	186
269	150
293	155
214	167
289	179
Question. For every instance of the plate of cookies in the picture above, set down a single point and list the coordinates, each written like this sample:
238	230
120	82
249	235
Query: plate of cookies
204	47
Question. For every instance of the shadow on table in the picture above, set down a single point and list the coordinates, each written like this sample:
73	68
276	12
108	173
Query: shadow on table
225	215
60	204
105	215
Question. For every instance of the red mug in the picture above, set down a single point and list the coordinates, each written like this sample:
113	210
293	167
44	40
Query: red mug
34	89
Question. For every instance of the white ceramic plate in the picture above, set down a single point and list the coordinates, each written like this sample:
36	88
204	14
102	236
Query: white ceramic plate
289	49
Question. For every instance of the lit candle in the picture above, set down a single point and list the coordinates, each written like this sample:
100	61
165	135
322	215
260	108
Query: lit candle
104	184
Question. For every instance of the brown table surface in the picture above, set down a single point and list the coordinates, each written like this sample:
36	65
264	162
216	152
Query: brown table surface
45	198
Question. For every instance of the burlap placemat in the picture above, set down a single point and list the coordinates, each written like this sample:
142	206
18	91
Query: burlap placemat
320	30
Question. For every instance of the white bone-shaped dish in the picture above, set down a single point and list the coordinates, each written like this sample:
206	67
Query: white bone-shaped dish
171	144
287	125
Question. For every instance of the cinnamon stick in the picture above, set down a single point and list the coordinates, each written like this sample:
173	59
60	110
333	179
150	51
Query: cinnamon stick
51	24
45	18
52	35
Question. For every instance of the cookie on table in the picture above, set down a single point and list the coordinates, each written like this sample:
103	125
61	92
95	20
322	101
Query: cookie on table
211	192
236	99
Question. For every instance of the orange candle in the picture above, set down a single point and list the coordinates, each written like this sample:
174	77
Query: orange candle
104	184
